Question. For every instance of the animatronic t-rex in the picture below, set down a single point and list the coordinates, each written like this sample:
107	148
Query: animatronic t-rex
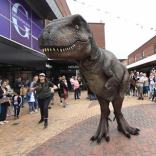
70	38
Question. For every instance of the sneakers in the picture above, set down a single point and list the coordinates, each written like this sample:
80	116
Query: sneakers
32	112
66	106
129	96
49	107
1	122
139	98
12	114
60	103
36	110
7	115
5	121
125	96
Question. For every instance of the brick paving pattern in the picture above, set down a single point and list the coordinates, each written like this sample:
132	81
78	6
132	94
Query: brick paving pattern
70	129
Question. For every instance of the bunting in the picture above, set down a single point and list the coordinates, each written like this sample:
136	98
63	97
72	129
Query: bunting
98	9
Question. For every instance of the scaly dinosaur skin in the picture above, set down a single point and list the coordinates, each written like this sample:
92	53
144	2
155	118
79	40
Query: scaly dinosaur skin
70	38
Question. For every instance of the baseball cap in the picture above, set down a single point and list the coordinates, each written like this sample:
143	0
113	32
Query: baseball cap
42	74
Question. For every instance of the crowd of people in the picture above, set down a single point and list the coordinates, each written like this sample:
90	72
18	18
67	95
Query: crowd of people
146	85
39	95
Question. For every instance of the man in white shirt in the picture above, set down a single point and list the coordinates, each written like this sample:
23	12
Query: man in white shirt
140	85
71	82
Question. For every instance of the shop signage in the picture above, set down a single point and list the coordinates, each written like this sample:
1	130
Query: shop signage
49	66
16	17
73	67
20	23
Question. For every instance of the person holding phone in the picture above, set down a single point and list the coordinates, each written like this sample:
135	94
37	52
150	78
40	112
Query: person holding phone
4	96
43	94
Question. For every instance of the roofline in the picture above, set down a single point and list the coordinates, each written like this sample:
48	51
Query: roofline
96	23
142	45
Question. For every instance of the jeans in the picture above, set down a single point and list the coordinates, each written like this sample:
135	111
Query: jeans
36	103
43	104
150	89
79	92
76	94
128	91
16	110
22	100
72	87
92	96
31	106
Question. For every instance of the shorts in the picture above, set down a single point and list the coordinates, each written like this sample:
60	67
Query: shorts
141	89
64	95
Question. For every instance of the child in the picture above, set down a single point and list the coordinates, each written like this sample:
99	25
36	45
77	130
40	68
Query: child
154	92
31	101
17	101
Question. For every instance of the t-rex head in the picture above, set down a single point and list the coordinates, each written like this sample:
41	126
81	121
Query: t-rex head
66	38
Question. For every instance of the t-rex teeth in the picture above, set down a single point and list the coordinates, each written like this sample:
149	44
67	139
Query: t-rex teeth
54	49
61	50
74	45
48	49
57	49
45	50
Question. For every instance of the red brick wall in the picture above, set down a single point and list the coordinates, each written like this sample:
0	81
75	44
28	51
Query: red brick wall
98	30
148	49
62	5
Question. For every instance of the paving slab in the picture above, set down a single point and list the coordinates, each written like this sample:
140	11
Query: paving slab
70	129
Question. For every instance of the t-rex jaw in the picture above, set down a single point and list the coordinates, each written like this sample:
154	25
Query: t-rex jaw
56	49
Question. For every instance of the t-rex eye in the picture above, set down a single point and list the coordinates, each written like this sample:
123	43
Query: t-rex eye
76	27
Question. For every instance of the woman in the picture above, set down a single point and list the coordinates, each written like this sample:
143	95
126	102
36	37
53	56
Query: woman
64	91
151	84
4	96
76	86
146	83
35	79
43	95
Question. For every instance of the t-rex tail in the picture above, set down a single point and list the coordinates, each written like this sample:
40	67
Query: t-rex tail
134	84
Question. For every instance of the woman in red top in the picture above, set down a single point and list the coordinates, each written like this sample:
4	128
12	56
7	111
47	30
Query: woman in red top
76	87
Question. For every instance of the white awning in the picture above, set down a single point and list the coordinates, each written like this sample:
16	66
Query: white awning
143	61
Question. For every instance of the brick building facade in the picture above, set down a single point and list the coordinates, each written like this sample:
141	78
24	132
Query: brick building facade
146	50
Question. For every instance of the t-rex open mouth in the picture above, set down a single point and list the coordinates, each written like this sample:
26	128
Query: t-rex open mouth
57	49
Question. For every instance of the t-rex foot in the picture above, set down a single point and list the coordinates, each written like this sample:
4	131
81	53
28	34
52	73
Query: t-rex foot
125	128
102	131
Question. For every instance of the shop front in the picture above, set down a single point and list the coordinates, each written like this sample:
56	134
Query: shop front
19	31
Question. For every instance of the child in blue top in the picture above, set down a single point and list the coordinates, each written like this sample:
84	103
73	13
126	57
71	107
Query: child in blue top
31	101
17	101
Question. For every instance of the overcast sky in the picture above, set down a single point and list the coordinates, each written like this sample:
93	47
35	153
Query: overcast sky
123	35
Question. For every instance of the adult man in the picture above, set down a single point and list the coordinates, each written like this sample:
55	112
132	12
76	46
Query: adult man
71	82
140	83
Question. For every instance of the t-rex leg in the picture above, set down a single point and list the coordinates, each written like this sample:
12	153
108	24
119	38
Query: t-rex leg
102	130
123	126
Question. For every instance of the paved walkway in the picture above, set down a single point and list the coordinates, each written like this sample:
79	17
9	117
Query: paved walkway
70	129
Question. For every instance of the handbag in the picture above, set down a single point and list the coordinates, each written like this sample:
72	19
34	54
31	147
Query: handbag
23	91
4	100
